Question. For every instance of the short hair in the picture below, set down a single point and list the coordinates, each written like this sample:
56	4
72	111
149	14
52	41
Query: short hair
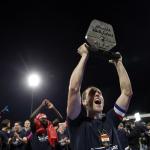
26	120
18	123
4	123
90	91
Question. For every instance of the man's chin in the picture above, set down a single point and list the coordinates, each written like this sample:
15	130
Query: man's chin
98	110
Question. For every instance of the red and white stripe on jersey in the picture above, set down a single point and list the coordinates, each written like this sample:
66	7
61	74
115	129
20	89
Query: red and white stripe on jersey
119	111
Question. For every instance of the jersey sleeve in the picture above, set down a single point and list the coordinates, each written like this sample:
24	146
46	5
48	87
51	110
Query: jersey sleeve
115	115
120	112
79	118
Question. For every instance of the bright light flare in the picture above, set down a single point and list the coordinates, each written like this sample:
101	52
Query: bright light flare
137	117
34	80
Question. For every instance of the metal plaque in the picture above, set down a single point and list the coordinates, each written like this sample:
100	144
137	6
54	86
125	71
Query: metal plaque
100	36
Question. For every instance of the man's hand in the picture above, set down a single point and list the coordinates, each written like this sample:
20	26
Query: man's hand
9	140
16	135
24	140
50	105
47	103
83	49
115	61
44	102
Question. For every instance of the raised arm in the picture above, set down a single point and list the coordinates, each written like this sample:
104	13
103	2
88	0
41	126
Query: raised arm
37	110
74	96
54	109
125	85
49	105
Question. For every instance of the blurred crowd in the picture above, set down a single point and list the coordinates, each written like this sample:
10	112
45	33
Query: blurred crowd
134	135
36	133
30	134
19	136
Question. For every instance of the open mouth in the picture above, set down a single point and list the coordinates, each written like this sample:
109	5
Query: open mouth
98	102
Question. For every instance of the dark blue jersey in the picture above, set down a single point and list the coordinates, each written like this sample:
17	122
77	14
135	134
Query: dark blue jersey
92	134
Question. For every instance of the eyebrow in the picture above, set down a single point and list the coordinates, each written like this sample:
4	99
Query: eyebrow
98	91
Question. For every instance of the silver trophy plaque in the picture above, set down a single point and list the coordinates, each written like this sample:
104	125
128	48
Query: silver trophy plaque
100	36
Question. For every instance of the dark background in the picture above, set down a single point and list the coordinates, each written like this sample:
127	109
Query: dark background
43	36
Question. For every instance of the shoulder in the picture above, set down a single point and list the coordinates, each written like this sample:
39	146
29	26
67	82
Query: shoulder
80	118
113	118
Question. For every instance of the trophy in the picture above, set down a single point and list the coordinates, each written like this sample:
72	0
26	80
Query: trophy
101	38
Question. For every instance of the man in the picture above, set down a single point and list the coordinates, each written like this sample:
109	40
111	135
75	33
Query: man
63	136
87	130
44	135
27	124
28	134
123	136
136	136
148	134
18	137
5	134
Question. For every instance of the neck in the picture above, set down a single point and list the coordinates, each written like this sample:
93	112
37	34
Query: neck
94	115
27	128
98	116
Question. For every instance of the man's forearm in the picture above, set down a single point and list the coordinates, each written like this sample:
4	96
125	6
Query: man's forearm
74	96
124	80
36	112
57	112
77	75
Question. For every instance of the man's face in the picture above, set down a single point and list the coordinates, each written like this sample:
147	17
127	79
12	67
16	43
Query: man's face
132	125
148	127
44	121
120	126
17	126
95	102
98	102
62	126
27	124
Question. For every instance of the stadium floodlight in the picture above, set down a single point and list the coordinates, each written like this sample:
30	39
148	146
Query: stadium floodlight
137	116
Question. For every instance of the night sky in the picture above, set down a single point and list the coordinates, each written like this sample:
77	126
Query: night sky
43	37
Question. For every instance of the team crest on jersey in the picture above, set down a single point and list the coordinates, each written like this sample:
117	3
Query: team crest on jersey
104	138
